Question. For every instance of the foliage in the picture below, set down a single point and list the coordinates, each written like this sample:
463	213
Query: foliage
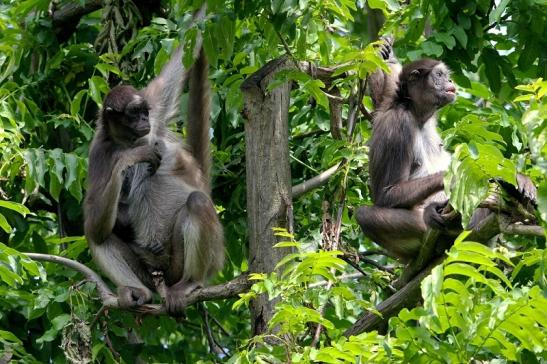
477	305
482	304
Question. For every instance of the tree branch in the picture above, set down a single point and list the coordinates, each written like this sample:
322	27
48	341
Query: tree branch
518	229
110	300
66	18
314	182
407	296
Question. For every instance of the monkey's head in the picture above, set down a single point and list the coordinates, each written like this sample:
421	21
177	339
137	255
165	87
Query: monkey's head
426	84
125	114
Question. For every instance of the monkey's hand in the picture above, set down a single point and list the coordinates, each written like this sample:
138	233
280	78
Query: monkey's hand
435	218
525	191
129	297
386	49
527	188
158	152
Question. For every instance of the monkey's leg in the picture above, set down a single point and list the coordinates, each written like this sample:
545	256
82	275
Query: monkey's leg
197	249
121	265
399	231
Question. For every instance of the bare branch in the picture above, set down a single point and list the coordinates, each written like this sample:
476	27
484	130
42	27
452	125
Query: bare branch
518	229
324	74
107	297
343	277
314	182
110	300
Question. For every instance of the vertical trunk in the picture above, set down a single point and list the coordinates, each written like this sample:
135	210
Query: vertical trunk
268	174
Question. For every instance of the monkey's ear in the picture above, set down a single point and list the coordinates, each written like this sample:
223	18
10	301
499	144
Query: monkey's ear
414	75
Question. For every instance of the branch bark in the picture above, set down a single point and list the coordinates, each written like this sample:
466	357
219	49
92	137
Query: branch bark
110	300
66	18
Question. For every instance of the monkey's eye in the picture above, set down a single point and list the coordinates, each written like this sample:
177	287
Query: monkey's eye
136	111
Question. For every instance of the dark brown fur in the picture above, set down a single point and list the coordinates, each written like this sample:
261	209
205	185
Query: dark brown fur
148	205
407	159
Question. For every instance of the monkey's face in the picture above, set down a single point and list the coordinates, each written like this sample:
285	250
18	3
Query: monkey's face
431	87
441	85
128	122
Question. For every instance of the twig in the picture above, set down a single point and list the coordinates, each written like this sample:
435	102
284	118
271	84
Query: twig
348	259
375	252
215	320
343	277
288	50
376	264
305	134
213	345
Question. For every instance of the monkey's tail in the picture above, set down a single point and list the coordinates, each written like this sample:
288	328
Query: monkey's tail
199	106
203	239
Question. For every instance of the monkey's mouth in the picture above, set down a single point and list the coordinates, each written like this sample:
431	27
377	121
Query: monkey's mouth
451	90
142	131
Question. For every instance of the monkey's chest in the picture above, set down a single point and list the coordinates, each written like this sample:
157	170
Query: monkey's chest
429	156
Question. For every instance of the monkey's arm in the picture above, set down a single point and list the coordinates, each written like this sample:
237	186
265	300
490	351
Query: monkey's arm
101	202
383	85
106	175
410	193
391	158
163	92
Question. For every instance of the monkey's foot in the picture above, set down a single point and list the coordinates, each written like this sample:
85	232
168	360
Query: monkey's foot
175	300
129	297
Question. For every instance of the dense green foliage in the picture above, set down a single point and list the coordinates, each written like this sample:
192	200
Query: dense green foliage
481	304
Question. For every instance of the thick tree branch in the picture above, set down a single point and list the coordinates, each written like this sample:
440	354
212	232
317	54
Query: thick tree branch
517	229
110	300
66	18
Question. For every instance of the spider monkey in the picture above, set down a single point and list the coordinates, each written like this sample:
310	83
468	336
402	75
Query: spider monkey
407	159
148	204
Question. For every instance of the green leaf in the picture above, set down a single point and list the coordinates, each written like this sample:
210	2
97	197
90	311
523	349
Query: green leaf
76	102
497	11
542	200
98	88
17	207
446	38
72	181
9	277
460	34
4	224
432	49
9	337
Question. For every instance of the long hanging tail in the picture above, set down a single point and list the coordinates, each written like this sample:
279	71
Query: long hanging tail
199	106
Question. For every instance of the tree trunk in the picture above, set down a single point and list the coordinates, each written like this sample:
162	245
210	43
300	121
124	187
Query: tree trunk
268	174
